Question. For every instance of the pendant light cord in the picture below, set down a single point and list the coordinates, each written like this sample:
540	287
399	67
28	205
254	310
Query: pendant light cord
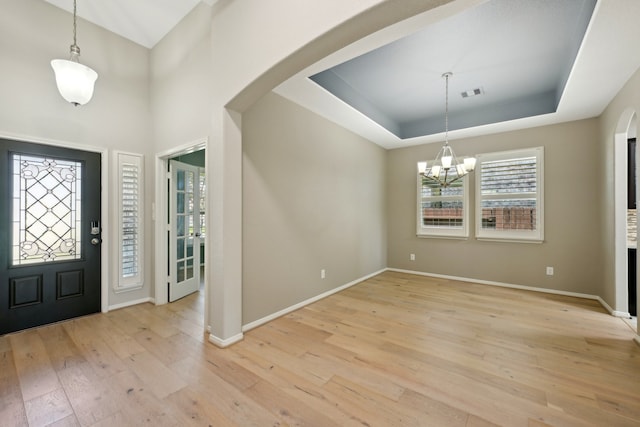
75	49
74	23
446	108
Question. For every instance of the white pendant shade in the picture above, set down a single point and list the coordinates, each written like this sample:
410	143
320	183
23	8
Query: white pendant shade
422	167
75	81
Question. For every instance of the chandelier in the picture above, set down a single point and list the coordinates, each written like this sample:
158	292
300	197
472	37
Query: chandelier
441	170
75	81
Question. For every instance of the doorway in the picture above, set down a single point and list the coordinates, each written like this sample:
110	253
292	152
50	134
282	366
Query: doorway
167	260
187	229
50	234
626	162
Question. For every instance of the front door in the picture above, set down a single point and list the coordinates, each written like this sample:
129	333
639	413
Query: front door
184	230
49	234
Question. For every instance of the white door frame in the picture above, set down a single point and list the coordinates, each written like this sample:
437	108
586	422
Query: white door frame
159	210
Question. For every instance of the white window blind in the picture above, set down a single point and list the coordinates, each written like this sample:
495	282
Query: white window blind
130	221
442	211
509	196
130	244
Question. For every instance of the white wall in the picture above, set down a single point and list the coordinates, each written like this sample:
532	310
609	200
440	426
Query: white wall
32	32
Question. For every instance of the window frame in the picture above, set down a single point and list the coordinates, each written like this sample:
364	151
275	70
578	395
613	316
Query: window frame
443	232
527	236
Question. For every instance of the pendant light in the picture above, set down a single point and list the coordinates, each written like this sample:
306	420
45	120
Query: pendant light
75	81
446	160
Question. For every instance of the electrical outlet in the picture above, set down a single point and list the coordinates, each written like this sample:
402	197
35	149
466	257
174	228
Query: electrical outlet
412	257
323	274
549	271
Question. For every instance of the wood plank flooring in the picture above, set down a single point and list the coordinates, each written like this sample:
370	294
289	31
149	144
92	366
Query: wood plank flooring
395	350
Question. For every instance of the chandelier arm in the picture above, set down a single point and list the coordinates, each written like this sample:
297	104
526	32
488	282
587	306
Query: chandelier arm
459	177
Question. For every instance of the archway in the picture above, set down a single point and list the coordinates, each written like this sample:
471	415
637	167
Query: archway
625	129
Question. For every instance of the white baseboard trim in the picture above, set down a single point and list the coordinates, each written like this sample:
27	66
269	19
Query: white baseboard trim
130	303
637	339
222	343
509	285
306	302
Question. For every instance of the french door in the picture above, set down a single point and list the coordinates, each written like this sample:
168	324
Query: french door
49	234
184	230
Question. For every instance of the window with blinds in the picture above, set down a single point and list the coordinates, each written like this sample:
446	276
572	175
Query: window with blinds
442	211
509	195
130	221
130	243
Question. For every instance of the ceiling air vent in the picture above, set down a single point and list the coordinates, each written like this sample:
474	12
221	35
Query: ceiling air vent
472	92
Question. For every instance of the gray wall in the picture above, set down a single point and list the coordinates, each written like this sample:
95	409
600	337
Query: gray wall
572	238
313	198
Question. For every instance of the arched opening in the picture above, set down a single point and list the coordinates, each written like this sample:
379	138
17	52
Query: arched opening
625	215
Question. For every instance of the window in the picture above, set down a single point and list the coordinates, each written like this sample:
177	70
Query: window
442	211
130	221
509	195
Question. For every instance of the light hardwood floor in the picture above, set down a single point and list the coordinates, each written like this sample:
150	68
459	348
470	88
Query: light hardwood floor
395	350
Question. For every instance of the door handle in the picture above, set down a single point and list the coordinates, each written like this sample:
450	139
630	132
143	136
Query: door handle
95	241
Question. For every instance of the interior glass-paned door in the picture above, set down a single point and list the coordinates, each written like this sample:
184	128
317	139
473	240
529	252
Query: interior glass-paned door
184	230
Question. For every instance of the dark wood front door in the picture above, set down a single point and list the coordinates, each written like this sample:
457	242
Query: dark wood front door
49	234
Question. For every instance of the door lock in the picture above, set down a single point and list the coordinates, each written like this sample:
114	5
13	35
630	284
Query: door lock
95	228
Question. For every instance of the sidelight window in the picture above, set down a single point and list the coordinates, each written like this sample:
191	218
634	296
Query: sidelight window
130	226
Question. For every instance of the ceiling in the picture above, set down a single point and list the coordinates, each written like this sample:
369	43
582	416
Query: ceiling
145	22
509	58
394	84
535	63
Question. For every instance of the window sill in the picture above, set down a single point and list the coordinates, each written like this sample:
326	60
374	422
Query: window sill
509	240
437	236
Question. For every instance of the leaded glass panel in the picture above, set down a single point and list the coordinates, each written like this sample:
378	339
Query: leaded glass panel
46	209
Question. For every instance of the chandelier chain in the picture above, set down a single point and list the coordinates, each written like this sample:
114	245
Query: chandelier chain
446	109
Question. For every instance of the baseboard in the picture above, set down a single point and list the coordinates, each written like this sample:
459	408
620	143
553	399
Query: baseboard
306	302
509	285
222	343
637	339
130	303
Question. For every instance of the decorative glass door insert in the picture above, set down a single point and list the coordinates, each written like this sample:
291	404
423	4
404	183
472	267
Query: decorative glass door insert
46	217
